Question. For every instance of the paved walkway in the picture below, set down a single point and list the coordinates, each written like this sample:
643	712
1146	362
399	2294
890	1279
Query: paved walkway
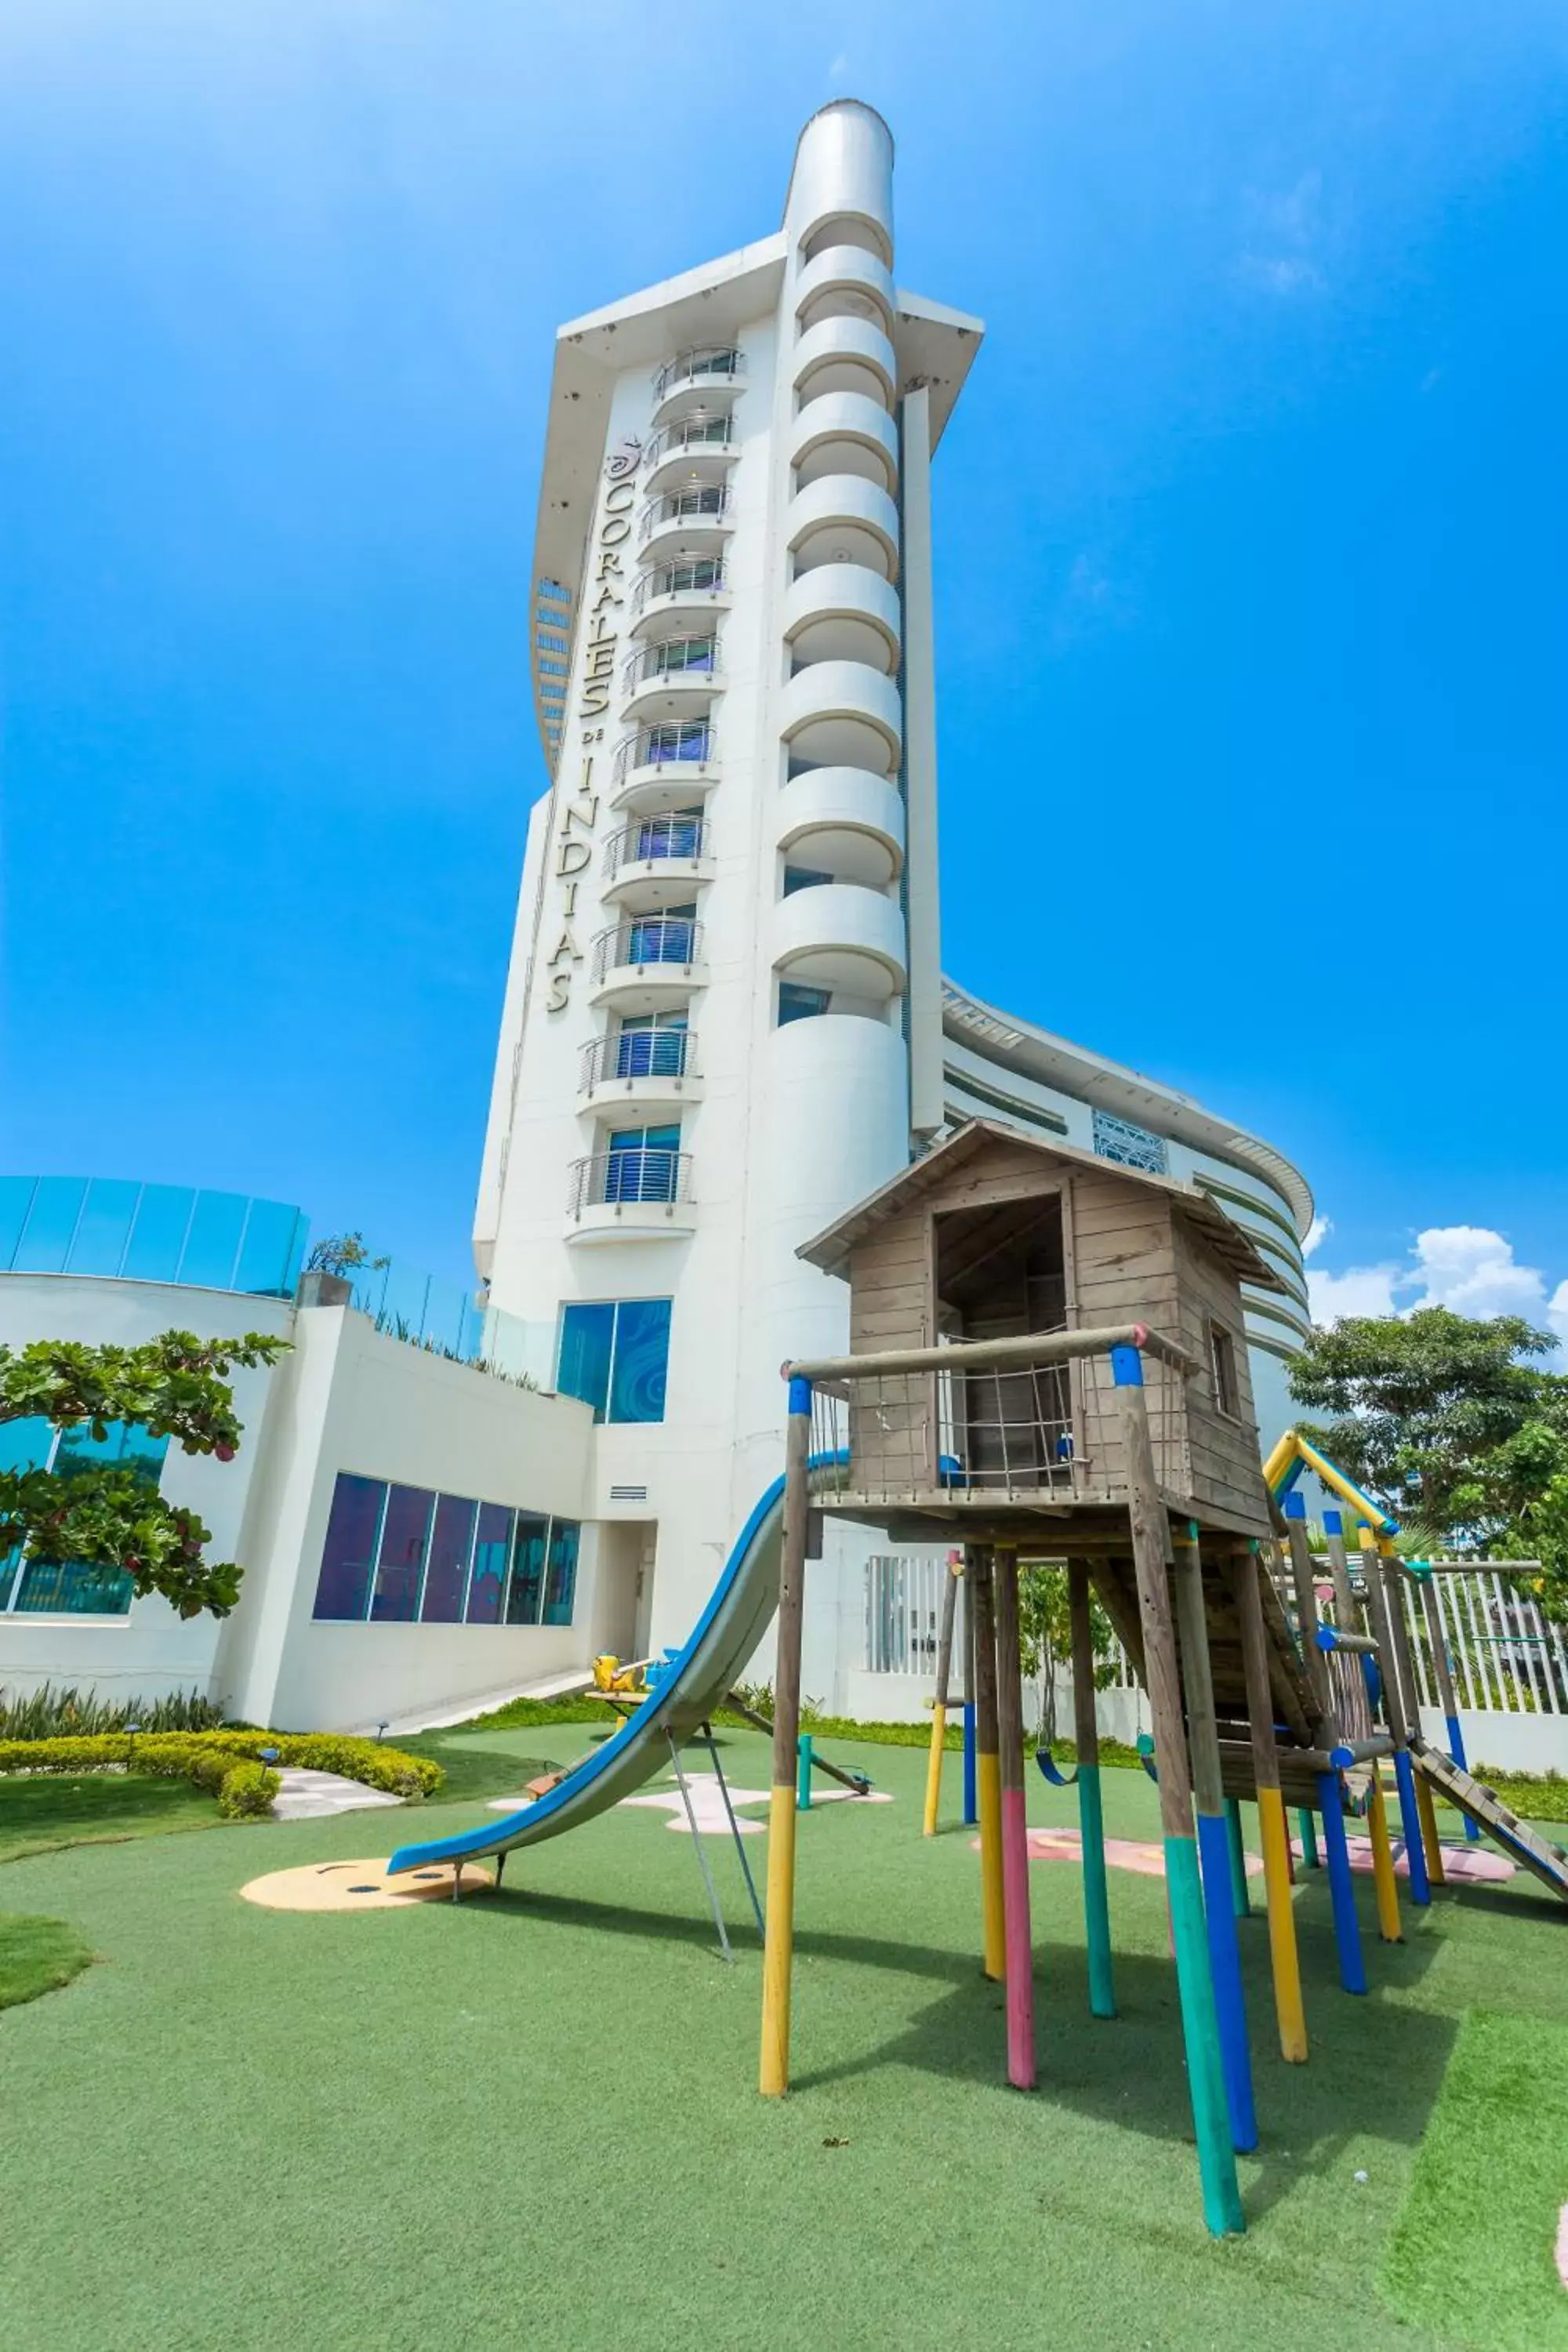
308	1796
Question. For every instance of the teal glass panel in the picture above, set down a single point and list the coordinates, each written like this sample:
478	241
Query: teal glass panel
561	1578
446	1307
400	1569
51	1225
404	1302
25	1444
587	1337
103	1232
212	1246
15	1200
492	1549
369	1289
525	1593
124	1445
158	1235
472	1338
73	1588
451	1549
343	1587
271	1251
641	1359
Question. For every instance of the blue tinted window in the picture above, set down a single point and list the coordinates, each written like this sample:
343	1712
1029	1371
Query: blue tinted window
641	1359
124	1445
561	1584
492	1546
525	1593
802	878
212	1246
15	1200
343	1586
51	1225
400	1568
73	1588
447	1576
798	1003
104	1228
25	1444
587	1337
271	1250
158	1235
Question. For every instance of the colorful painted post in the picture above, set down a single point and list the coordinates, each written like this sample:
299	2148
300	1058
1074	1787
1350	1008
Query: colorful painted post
1307	1830
1214	1838
1246	1571
970	1800
1200	2026
1417	1852
803	1784
987	1764
778	1946
1383	1875
1443	1675
1342	1885
938	1709
1381	1605
1090	1810
1241	1900
1019	1942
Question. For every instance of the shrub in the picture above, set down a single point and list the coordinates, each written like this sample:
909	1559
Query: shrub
205	1756
52	1712
247	1792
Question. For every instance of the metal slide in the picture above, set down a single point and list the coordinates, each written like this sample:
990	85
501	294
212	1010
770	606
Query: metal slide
737	1616
1518	1840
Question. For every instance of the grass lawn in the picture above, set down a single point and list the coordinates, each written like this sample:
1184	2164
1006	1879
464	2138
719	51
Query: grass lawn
38	1956
531	2119
40	1814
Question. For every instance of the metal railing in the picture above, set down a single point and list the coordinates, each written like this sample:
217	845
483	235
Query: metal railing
689	658
636	1054
653	839
651	939
700	431
707	503
687	742
1504	1656
698	575
707	363
643	1174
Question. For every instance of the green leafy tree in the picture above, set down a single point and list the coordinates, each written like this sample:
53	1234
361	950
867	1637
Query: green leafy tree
107	1516
342	1253
1045	1635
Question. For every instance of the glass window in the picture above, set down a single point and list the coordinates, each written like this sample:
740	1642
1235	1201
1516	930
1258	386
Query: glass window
124	1445
270	1252
73	1588
158	1235
25	1444
588	1343
802	878
493	1546
342	1587
51	1225
400	1568
212	1246
641	1359
525	1593
644	1163
798	1003
561	1584
15	1200
652	1046
104	1228
452	1547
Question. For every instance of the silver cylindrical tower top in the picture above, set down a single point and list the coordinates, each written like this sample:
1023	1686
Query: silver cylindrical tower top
841	189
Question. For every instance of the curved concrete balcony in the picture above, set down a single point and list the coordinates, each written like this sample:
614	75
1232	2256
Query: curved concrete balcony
843	714
647	963
845	433
670	677
639	1069
700	447
692	378
668	600
844	281
663	767
844	823
656	861
694	520
843	611
841	936
844	519
625	1196
846	355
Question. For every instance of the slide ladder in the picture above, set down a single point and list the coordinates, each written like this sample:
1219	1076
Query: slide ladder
1477	1803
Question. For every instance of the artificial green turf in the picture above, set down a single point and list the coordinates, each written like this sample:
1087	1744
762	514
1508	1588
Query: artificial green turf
1473	2252
42	1811
479	1764
531	2119
36	1955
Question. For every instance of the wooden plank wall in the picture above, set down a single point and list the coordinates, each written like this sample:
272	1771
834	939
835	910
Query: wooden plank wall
1223	1452
1124	1271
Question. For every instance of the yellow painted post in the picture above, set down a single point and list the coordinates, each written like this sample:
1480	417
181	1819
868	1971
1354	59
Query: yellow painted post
1387	1886
943	1675
1245	1568
778	1943
988	1764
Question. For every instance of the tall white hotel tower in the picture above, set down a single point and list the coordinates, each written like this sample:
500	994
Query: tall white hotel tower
725	1017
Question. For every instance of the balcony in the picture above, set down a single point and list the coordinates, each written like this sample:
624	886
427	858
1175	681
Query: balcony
671	675
690	381
843	519
657	859
690	521
843	281
643	1193
845	433
843	611
843	714
845	822
666	599
841	936
700	444
846	355
647	962
651	1069
659	768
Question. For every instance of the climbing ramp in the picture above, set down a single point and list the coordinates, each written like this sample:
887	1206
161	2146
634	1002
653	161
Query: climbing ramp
1471	1797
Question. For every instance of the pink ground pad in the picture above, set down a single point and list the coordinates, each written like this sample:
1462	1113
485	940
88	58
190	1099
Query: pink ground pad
1460	1862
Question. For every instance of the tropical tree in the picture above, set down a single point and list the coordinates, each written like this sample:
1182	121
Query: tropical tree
107	1515
1045	1635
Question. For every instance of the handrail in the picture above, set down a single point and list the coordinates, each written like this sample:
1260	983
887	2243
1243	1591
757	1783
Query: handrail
648	939
719	361
700	431
643	1172
651	838
652	661
707	503
692	745
667	1053
664	580
1029	1348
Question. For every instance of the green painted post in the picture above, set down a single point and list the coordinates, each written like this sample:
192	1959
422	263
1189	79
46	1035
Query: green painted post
803	1783
1241	1902
1308	1826
1090	1812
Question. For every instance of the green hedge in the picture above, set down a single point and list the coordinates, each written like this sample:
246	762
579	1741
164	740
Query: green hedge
209	1758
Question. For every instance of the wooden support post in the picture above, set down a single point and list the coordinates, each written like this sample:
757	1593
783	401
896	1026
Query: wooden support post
1091	1809
1214	1838
1303	1579
1419	1825
1019	1942
1349	1617
1382	1872
938	1709
987	1767
971	1796
778	1951
1245	1568
1151	1537
1307	1830
1443	1675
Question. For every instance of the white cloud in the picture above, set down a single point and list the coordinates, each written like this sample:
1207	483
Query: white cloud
1317	1233
1361	1290
1469	1268
839	69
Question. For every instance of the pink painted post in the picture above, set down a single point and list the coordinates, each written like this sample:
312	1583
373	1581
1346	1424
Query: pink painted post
1015	1827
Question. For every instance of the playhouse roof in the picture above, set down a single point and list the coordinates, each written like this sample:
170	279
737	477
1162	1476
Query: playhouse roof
1229	1241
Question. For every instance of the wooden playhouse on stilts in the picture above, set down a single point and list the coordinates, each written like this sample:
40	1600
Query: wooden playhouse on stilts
1049	1362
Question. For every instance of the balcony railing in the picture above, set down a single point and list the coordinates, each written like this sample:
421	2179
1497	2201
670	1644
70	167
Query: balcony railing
709	502
648	939
689	658
709	363
684	743
642	1172
700	575
699	431
636	1054
652	838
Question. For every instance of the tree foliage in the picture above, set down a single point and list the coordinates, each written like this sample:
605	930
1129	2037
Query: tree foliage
1045	1634
108	1516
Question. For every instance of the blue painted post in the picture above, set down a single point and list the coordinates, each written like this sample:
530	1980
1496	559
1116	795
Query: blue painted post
1342	1885
970	1791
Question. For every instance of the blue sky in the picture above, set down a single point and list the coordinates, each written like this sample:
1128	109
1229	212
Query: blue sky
1250	526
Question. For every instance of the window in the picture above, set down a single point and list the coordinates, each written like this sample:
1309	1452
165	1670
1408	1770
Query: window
651	1045
643	1164
492	1549
525	1593
798	1003
348	1556
400	1567
394	1555
447	1572
562	1584
802	878
687	739
73	1587
1134	1146
668	937
1222	1362
615	1355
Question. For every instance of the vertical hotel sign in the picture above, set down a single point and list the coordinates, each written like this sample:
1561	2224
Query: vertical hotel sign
573	844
